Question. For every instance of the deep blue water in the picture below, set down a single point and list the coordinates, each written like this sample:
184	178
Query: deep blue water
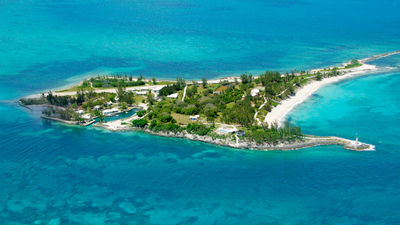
57	174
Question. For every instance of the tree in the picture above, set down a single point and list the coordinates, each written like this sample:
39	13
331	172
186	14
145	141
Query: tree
246	78
319	76
129	98
242	113
141	77
120	92
191	91
180	83
141	113
100	115
154	80
150	98
123	106
139	123
80	97
204	82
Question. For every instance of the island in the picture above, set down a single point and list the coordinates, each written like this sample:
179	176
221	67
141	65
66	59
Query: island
246	112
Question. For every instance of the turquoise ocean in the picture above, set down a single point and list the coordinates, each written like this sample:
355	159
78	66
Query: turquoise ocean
52	173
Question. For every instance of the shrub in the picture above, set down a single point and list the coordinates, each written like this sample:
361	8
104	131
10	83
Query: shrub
141	113
139	123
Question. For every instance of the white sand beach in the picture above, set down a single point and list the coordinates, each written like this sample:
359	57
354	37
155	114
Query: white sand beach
279	113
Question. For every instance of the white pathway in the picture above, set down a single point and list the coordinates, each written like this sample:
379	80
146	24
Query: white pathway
255	114
184	93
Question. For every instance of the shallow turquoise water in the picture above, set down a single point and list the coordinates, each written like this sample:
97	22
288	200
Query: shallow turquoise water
58	174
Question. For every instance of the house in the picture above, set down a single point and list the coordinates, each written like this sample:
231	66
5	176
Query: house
143	89
80	111
97	107
174	95
240	133
108	112
156	89
196	117
220	89
87	116
226	130
141	92
109	103
255	92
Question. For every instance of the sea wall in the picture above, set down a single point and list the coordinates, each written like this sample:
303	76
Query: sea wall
308	141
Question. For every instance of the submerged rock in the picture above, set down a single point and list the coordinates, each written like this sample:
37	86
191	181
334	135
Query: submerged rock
54	221
128	207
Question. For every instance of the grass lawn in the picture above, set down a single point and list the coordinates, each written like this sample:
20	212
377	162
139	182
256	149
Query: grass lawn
230	105
181	119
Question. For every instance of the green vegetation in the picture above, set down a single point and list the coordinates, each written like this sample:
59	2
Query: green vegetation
273	135
170	89
241	113
34	101
112	81
232	103
141	113
227	103
139	123
353	63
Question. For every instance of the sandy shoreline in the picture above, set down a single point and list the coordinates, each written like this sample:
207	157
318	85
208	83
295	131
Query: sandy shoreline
279	113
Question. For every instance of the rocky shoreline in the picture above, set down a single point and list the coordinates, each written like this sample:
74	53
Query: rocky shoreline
308	141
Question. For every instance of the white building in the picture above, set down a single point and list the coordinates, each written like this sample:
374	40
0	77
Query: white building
141	92
255	92
110	111
226	130
80	111
156	89
174	95
87	116
143	89
97	107
196	117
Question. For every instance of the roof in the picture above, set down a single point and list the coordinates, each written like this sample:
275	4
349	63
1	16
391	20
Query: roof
226	130
174	95
157	88
254	92
221	89
86	116
110	110
141	92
